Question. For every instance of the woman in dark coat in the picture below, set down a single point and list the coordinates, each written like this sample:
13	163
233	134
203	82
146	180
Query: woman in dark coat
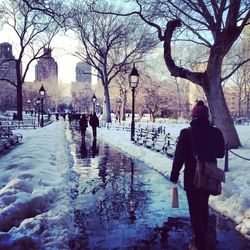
209	144
94	123
83	125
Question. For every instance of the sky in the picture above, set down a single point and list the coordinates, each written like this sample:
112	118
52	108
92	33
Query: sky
34	183
63	47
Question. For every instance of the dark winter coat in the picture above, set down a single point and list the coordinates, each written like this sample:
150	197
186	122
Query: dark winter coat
209	143
83	123
94	121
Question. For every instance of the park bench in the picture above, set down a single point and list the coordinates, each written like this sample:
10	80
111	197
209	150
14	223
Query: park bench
140	135
6	124
8	139
26	123
16	124
155	140
117	126
170	145
160	142
150	138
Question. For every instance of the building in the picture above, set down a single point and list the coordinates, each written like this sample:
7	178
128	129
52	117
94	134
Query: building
8	72
46	68
195	93
83	72
46	74
7	63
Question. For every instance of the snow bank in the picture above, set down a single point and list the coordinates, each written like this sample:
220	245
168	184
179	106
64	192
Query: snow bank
34	196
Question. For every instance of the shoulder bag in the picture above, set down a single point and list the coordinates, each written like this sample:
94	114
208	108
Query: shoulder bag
208	176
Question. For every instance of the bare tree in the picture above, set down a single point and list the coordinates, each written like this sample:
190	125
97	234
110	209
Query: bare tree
81	97
214	25
109	43
240	81
52	8
121	81
34	33
153	99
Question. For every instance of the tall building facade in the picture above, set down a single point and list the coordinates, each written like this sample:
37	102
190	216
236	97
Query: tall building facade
47	68
7	63
7	72
83	72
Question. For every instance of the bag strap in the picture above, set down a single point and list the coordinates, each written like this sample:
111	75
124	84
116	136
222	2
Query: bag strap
195	154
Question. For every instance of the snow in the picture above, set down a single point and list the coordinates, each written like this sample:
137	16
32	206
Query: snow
34	191
35	205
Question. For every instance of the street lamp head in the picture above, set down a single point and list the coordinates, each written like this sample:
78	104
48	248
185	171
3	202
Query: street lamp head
29	101
42	91
94	99
133	78
38	100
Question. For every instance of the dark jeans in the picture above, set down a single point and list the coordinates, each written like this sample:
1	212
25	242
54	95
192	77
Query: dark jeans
199	212
83	132
94	131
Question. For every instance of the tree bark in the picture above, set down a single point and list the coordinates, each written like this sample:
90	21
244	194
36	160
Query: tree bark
124	104
107	103
221	117
19	89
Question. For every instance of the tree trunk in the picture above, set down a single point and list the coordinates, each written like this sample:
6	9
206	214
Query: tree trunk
107	103
19	92
220	114
124	104
153	117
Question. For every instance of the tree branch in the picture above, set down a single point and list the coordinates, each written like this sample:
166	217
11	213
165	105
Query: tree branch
139	13
235	69
176	71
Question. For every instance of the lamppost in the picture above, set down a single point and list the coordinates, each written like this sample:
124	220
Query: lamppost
28	104
42	94
119	103
133	83
94	101
38	101
98	108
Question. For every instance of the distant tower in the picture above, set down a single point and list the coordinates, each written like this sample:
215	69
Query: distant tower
83	72
7	62
46	68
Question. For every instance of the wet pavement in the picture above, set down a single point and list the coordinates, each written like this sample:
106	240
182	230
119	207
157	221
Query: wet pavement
121	203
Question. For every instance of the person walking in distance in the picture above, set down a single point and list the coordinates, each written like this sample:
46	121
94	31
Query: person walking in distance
57	116
94	123
209	144
83	125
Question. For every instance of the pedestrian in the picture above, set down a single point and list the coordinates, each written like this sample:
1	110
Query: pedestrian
70	117
209	145
64	116
83	125
94	123
57	116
